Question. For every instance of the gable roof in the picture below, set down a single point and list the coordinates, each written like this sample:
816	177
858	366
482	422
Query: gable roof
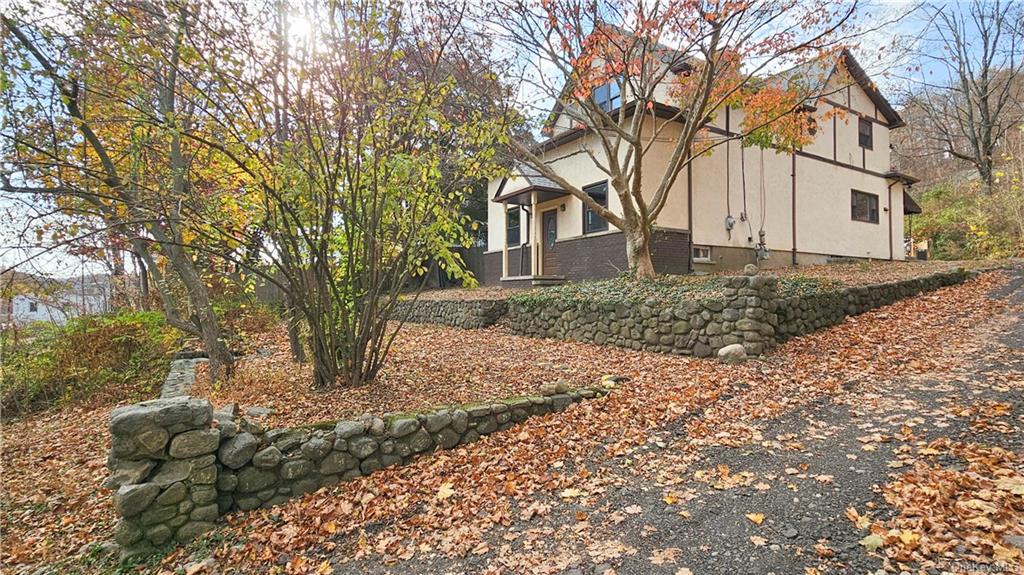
861	77
534	182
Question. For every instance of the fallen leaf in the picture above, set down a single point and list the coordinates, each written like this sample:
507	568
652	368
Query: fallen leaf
872	542
445	491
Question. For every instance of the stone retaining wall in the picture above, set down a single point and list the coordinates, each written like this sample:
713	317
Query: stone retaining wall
799	315
177	465
467	314
744	314
751	312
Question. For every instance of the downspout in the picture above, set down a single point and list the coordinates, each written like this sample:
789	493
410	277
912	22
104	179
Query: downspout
522	246
793	204
504	242
890	220
689	212
728	175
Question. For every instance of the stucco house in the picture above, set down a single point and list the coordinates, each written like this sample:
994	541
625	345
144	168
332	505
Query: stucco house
835	198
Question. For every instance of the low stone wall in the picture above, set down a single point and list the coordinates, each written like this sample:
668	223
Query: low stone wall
467	314
799	315
744	314
177	465
751	312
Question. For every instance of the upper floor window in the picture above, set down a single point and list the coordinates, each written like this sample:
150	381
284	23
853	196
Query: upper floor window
513	219
864	207
865	133
33	306
608	96
592	222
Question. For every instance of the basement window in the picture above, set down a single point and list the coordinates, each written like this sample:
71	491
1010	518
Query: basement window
865	133
864	207
702	254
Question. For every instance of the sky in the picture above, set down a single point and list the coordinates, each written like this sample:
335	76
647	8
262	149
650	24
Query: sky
883	53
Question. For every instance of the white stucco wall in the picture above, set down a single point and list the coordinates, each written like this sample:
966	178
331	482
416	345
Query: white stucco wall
830	167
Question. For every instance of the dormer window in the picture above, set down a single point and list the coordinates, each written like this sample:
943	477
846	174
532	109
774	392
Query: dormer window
608	96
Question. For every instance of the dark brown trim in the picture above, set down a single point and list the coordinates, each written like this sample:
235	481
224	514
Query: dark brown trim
853	167
850	110
862	79
903	178
527	189
809	155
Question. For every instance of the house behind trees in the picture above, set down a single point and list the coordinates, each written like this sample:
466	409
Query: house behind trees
835	198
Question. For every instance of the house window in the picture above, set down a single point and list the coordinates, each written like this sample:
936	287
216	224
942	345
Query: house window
702	254
608	96
591	221
513	218
33	307
865	134
864	207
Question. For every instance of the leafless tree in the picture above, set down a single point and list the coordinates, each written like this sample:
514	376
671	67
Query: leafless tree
967	85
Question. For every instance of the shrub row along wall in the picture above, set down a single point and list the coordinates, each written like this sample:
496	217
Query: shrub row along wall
744	314
465	314
177	464
799	315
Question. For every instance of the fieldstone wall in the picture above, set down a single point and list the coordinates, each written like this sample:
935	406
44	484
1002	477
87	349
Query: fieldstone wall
751	312
744	314
799	315
177	465
467	314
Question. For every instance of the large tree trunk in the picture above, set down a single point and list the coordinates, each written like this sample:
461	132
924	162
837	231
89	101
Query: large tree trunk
638	253
209	328
294	341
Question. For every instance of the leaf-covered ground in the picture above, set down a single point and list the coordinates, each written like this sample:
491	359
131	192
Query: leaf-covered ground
624	483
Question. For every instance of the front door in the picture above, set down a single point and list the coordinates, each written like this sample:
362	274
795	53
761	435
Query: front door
549	262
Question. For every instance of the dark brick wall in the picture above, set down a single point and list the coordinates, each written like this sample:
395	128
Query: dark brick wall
491	273
592	257
597	257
